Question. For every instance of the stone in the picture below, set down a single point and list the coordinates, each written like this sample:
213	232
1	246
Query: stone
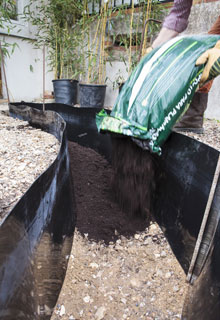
62	310
94	265
100	313
135	282
168	275
175	288
163	254
86	299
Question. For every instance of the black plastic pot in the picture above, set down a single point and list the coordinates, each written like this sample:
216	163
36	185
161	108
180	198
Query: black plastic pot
65	91
92	95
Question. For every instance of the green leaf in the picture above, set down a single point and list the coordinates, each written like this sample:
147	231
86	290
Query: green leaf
31	68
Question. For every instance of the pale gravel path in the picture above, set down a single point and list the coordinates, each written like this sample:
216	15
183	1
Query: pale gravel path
136	278
25	153
211	134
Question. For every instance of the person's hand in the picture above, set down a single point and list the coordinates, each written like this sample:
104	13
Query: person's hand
212	59
147	50
164	35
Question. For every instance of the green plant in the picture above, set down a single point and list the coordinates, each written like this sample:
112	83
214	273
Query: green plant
7	13
130	27
95	34
57	25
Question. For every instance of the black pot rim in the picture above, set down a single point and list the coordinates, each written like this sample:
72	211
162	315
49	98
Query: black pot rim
92	84
71	80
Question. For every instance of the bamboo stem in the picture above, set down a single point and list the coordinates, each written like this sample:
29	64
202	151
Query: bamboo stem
3	67
146	27
56	56
131	31
44	77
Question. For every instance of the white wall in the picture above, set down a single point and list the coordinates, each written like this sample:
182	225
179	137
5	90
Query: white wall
22	83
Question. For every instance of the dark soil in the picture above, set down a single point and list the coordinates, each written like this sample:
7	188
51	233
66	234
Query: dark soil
98	213
134	177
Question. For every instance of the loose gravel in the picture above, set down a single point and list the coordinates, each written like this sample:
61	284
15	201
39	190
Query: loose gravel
134	278
211	135
25	152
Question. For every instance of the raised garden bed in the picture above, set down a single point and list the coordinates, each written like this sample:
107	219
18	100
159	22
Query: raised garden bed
120	270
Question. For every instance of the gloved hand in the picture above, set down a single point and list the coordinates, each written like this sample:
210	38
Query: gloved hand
212	59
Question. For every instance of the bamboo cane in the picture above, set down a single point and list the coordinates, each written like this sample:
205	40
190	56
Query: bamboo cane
44	77
146	27
3	67
102	44
56	56
131	32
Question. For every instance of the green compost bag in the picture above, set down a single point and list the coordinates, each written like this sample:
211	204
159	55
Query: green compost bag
158	91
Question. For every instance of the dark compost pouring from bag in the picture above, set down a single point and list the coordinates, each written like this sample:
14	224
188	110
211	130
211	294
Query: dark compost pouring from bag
152	100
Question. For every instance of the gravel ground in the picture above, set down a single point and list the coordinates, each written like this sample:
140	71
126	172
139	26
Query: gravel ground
25	153
136	278
211	134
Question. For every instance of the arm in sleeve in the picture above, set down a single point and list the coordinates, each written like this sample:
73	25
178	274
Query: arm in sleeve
177	19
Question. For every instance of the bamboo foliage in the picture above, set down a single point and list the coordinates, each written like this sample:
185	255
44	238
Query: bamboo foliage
7	13
75	36
57	27
95	53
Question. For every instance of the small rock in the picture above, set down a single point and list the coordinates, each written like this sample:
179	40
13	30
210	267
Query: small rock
94	265
137	236
118	247
153	227
147	241
81	313
62	310
175	288
86	299
163	254
123	300
100	313
168	275
135	282
159	273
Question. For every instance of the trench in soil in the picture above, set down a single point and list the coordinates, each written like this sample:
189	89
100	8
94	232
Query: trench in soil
99	216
